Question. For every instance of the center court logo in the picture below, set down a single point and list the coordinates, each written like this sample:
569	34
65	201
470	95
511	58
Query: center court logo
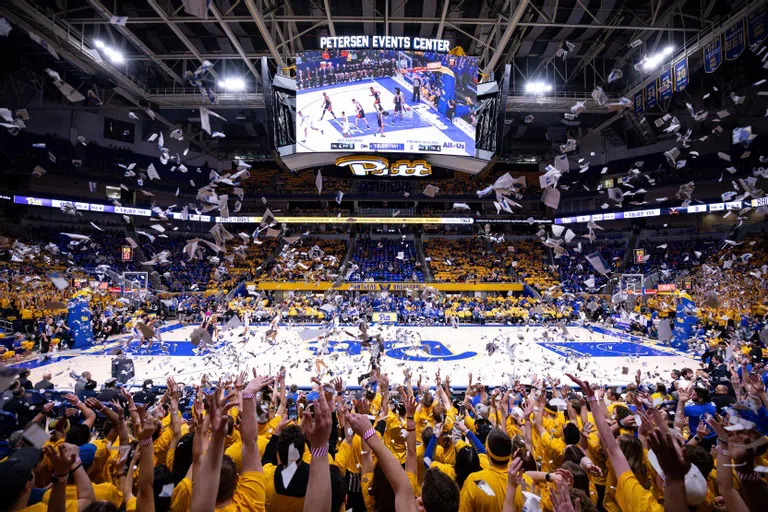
435	351
379	166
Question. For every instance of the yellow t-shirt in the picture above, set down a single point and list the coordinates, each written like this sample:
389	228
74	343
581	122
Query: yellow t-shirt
250	494
632	496
475	499
182	496
42	507
103	492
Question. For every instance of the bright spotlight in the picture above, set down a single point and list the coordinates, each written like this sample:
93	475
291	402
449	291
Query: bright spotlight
537	87
232	84
114	56
99	44
655	61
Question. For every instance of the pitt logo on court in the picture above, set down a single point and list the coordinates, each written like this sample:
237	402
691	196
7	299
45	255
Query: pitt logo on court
379	166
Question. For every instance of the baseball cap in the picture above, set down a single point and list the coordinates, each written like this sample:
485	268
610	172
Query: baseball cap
16	470
87	454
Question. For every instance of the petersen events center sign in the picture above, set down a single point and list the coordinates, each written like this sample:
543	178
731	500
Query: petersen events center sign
419	44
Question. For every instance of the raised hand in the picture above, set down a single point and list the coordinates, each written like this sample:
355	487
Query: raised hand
584	385
515	473
94	404
669	453
359	423
317	426
338	385
410	406
61	458
258	383
72	398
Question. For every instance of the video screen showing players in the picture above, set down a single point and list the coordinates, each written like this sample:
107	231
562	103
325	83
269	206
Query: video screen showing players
385	100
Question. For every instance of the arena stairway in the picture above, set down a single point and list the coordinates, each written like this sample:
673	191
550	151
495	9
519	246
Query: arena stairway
348	257
426	271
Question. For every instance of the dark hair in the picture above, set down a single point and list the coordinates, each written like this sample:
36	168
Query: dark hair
439	493
467	462
338	489
661	388
483	427
101	506
426	435
163	477
718	358
685	370
500	444
571	434
700	458
702	394
573	453
106	427
382	491
580	478
585	503
290	435
78	434
228	481
183	457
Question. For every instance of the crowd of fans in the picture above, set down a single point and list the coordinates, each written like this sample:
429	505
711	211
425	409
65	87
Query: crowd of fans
465	260
385	260
316	260
693	439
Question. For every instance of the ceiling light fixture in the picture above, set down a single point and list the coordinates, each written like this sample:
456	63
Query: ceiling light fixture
232	83
652	62
537	88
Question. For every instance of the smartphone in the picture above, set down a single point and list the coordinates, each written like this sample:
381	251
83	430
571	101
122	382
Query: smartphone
293	410
632	407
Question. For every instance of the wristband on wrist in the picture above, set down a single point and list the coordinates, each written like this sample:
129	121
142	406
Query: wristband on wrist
369	434
752	476
591	399
546	477
319	452
145	442
248	396
78	466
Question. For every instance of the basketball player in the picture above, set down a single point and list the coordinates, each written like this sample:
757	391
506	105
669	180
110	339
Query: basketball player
399	101
344	124
308	124
376	98
360	114
271	335
379	121
327	107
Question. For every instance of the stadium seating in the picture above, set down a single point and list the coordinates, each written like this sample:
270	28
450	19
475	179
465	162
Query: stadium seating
377	260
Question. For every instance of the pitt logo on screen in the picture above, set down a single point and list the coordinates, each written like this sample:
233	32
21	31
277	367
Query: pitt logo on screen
378	166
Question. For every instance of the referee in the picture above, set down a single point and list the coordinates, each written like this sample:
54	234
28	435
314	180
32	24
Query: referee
416	89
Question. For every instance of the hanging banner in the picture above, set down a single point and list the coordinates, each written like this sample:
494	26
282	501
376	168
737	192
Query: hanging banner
650	95
713	55
734	41
665	86
638	102
680	69
756	25
79	322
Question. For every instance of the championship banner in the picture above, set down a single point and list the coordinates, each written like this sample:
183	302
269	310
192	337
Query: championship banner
650	95
756	25
79	322
638	102
713	55
734	41
665	85
680	69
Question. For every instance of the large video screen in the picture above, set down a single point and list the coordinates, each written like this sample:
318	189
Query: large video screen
385	101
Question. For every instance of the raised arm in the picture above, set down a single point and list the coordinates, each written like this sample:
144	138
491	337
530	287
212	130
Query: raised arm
618	460
248	427
405	501
317	429
733	500
145	500
411	463
204	496
88	415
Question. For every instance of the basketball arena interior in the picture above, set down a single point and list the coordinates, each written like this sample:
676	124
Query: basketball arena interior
383	255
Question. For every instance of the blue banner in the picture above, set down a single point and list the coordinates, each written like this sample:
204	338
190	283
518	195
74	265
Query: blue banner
685	322
79	322
734	41
665	85
713	55
756	25
680	69
650	95
638	102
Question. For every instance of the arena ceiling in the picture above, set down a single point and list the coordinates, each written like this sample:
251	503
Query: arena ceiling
160	42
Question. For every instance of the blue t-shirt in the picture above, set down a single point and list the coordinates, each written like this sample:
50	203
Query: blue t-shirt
695	412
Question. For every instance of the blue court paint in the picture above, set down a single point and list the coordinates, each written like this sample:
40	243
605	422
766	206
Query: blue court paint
604	349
